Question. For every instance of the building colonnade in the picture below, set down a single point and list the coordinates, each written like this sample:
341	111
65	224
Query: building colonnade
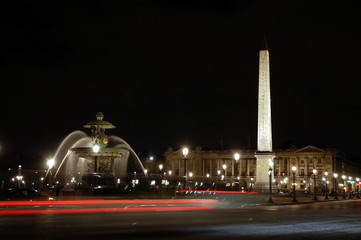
214	164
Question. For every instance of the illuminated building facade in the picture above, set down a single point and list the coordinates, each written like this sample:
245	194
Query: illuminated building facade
212	164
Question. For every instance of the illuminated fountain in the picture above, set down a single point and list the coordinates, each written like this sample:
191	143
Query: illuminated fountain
95	161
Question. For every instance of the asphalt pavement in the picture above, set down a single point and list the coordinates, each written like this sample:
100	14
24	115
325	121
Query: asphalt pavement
230	199
235	215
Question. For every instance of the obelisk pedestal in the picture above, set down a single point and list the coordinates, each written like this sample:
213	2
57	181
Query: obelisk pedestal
262	175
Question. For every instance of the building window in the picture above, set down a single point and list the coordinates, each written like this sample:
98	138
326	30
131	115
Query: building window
302	161
319	160
302	172
310	161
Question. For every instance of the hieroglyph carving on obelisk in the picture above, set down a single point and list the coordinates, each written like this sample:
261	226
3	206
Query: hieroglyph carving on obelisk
264	140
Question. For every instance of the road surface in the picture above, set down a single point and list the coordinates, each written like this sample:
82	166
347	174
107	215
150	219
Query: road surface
227	218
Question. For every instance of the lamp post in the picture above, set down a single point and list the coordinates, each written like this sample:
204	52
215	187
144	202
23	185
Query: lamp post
326	174
344	187
50	163
170	179
236	157
350	190
294	168
96	150
160	166
252	183
225	170
19	177
314	171
219	177
357	187
160	169
335	175
185	152
270	163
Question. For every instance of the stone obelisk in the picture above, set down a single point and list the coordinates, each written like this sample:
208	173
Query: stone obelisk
264	153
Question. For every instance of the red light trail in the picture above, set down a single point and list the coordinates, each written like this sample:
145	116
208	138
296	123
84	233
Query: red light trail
103	202
99	202
216	191
99	210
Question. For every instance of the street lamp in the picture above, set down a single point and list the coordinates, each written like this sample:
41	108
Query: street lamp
252	183
96	150
335	175
326	174
185	152
225	169
270	163
351	187
50	163
219	176
314	171
19	177
236	157
294	168
344	187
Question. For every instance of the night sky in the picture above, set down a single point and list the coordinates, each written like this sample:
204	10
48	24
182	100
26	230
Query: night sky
169	73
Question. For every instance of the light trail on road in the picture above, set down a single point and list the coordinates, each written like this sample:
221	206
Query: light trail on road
215	191
136	206
102	202
102	210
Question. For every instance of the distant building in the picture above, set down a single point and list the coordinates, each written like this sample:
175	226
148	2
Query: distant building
210	165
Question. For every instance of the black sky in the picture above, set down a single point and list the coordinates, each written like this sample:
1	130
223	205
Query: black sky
168	73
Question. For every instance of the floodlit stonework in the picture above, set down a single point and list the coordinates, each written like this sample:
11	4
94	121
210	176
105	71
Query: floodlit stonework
264	152
202	162
264	136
